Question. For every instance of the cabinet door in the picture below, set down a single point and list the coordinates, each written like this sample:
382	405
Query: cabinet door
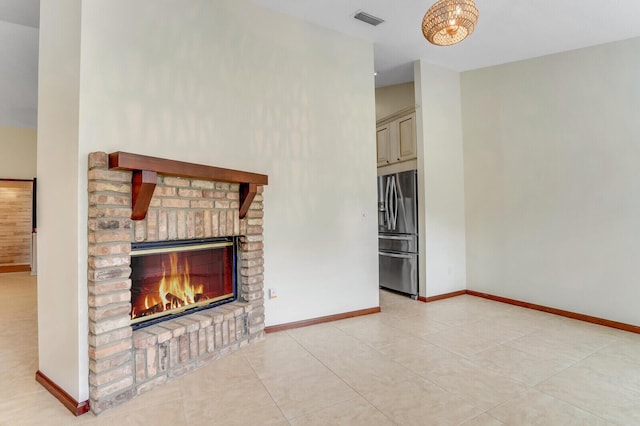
383	141
407	137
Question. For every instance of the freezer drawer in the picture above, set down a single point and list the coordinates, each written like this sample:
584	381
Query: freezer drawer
398	242
399	271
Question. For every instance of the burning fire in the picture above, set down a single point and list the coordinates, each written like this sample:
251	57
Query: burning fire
174	290
177	290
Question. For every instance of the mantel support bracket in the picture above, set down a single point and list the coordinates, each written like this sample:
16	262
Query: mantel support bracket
247	193
145	177
143	183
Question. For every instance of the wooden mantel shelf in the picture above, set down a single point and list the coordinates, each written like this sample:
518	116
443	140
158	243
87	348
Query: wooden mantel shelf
146	169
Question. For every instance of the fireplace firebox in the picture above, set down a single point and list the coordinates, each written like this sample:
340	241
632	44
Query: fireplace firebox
179	277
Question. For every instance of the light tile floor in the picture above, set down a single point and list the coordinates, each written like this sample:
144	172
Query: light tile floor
460	361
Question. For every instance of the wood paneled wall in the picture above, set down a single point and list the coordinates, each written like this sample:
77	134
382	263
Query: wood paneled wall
15	225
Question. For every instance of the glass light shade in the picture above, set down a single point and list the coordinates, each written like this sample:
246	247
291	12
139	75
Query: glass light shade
449	22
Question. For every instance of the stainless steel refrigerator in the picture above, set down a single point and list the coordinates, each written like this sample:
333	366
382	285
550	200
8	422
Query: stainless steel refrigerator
398	232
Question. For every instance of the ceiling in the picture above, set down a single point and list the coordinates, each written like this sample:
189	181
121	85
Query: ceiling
507	30
21	12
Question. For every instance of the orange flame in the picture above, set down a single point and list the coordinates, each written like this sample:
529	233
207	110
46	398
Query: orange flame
174	290
150	301
177	285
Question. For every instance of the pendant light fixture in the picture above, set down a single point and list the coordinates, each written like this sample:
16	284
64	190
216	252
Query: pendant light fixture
449	22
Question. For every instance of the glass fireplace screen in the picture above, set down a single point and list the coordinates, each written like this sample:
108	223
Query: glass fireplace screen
171	278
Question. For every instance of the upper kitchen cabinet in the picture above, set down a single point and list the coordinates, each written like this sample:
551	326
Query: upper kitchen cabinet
383	142
396	138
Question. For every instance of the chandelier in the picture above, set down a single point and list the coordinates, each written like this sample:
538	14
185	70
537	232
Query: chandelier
449	21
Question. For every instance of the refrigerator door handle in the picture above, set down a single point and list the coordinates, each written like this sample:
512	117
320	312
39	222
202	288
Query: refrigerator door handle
390	204
394	198
399	256
386	204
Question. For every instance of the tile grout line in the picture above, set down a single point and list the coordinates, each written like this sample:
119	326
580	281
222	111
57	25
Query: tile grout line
340	377
264	386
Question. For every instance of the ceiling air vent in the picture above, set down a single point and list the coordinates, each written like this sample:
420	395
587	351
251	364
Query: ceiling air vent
369	19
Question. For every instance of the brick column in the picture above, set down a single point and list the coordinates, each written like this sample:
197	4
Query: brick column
109	235
252	263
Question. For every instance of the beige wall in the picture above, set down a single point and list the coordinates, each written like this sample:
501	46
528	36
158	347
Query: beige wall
17	153
552	180
391	99
227	84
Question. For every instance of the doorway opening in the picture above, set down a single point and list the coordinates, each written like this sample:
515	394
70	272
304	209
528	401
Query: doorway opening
17	224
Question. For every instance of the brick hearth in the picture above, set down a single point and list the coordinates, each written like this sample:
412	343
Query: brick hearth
124	363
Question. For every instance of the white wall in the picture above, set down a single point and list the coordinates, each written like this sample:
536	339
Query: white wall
17	153
229	84
440	180
62	300
552	180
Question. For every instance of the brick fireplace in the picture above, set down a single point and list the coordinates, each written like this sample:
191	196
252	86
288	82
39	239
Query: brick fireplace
123	362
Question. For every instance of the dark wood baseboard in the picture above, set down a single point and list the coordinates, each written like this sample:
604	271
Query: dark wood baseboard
77	408
14	268
442	296
313	321
561	312
568	314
